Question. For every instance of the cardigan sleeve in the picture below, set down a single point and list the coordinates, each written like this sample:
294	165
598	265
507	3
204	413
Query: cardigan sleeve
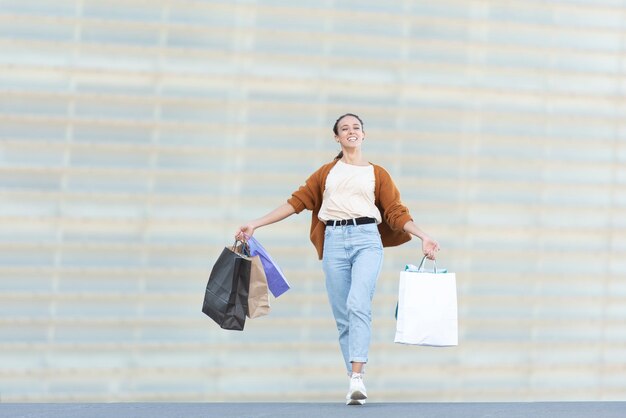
395	213
308	195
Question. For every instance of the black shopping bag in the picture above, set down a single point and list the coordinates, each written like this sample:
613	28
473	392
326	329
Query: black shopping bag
226	296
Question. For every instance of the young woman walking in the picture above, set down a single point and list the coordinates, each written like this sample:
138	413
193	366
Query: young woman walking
356	212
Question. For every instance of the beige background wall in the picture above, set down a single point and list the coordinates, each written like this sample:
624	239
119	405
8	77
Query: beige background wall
135	136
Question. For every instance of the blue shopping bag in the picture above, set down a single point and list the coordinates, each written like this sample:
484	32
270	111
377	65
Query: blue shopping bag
276	281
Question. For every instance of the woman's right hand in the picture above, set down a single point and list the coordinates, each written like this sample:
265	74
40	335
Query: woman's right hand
245	232
278	214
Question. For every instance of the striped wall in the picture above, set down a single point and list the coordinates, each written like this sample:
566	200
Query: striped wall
136	136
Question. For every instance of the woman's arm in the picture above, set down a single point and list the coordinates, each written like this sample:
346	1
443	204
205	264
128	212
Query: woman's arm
429	245
283	211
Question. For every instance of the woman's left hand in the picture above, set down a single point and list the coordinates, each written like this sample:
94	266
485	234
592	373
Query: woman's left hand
429	245
430	248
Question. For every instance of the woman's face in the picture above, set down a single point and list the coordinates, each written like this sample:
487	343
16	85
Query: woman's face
349	132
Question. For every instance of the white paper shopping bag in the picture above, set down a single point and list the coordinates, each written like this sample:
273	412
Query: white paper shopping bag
427	309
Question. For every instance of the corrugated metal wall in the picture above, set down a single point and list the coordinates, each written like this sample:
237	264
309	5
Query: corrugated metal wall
136	136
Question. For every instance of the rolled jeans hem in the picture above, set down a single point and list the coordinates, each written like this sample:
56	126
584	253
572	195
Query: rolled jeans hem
358	360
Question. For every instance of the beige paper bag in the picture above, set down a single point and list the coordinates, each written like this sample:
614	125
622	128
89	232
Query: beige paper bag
258	294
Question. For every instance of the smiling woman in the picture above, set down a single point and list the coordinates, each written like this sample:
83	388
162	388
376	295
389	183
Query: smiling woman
352	128
356	211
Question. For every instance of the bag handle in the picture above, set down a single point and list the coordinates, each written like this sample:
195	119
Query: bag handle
420	268
245	249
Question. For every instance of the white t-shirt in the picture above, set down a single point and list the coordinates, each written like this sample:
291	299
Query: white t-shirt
349	193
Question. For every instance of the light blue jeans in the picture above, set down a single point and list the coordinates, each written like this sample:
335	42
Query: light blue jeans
352	259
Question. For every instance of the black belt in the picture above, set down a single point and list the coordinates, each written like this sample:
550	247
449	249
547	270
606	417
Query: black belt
355	221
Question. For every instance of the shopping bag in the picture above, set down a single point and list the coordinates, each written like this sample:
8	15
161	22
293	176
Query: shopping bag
226	295
276	280
258	294
427	308
411	267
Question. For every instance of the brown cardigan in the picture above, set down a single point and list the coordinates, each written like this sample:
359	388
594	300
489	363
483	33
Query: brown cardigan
387	199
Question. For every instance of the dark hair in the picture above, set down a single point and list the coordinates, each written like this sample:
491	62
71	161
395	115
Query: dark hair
336	131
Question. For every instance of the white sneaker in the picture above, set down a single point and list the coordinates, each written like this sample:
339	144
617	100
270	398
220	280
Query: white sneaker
357	394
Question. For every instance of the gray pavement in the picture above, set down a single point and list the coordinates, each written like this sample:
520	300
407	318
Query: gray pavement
325	410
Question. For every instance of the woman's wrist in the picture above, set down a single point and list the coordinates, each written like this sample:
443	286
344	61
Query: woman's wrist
255	225
412	229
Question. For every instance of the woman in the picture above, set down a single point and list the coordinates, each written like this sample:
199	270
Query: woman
356	212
